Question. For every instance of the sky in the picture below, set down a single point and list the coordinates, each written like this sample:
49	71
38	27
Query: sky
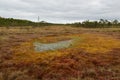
60	11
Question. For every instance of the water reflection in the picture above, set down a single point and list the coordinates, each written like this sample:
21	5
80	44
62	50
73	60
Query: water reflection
40	47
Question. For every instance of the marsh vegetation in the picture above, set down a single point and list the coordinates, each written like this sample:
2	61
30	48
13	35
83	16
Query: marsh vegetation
95	54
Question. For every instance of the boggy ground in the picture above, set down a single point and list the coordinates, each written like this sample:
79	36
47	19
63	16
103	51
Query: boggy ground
95	55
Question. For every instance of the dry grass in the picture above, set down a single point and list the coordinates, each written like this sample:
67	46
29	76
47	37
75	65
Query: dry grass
93	56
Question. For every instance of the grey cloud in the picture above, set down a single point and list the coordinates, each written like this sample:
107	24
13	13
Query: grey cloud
60	10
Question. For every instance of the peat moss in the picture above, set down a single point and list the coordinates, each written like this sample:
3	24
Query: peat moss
90	43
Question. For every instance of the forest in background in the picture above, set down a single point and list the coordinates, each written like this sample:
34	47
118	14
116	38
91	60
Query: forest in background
102	23
10	22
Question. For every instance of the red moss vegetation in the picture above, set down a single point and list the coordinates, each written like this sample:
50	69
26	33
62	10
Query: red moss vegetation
95	57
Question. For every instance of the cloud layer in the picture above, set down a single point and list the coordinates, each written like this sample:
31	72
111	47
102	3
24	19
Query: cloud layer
60	10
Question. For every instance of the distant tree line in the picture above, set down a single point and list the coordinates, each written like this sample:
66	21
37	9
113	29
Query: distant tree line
97	24
10	22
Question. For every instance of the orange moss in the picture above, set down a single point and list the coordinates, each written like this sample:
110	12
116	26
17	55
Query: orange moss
75	62
90	43
98	44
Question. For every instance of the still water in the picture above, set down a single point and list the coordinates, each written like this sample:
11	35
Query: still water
40	47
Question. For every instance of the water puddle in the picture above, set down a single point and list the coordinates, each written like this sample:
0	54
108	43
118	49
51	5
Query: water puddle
40	47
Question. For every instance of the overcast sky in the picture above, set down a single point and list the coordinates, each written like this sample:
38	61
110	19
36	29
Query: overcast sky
60	10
